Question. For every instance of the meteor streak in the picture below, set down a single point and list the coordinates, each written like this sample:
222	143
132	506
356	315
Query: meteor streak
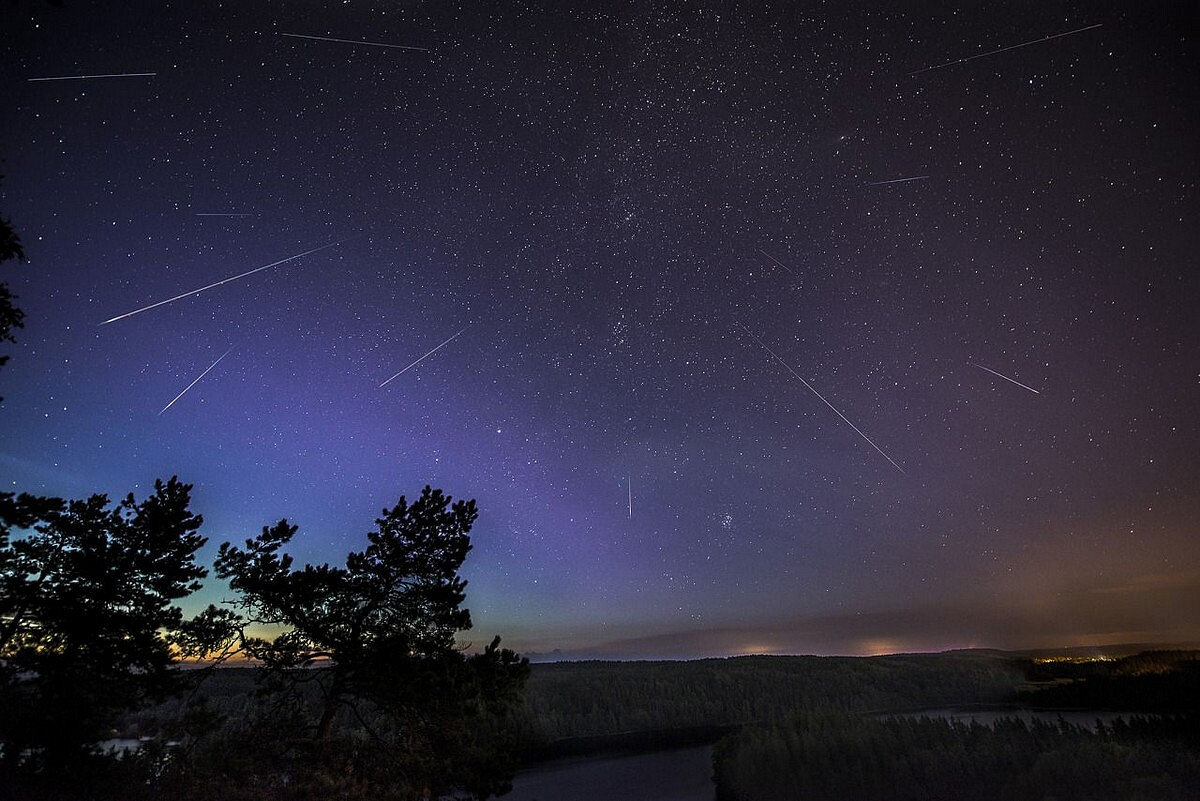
418	361
1004	49
1006	378
218	283
197	378
777	261
89	77
819	395
898	180
354	41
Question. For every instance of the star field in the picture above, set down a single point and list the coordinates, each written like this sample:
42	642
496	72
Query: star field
660	232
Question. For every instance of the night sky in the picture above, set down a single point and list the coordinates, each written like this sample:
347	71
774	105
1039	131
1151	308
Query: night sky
794	328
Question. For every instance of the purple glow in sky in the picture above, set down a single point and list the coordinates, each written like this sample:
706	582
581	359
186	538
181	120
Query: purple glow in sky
923	215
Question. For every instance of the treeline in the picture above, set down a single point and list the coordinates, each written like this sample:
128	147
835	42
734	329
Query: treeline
584	699
833	755
904	759
822	719
1138	664
1154	681
589	707
585	707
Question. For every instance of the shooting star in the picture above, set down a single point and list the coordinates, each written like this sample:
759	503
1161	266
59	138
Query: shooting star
777	261
629	488
423	358
90	77
189	386
222	214
1005	49
354	41
218	283
1006	378
819	395
898	180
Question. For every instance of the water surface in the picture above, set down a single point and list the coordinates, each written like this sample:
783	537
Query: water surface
684	774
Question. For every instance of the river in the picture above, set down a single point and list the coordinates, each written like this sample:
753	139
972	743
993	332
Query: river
684	774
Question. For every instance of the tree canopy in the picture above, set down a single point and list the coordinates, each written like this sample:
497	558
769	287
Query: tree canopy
89	625
365	691
379	635
399	597
11	317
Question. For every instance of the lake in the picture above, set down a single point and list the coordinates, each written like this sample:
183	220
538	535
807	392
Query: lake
683	774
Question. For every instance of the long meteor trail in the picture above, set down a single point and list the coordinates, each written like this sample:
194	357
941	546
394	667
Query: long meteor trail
822	397
423	358
354	42
1006	378
218	283
1005	49
89	77
196	379
898	180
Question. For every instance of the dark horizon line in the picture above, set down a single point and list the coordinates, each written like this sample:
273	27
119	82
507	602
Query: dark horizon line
1115	650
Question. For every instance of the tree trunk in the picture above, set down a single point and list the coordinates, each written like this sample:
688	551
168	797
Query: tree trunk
333	700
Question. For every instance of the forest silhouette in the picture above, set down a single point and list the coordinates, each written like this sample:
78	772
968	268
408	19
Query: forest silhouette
365	693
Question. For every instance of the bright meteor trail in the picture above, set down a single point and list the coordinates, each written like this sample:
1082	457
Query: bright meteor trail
197	378
822	397
217	283
898	180
89	77
1004	49
1006	378
423	358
